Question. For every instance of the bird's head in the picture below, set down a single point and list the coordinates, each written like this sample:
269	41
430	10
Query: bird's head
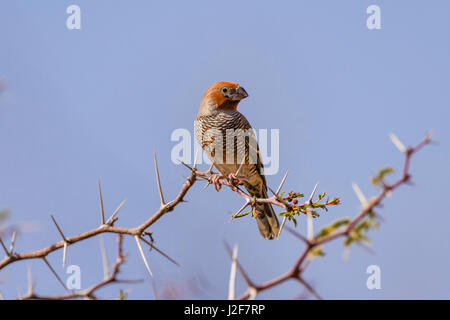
223	95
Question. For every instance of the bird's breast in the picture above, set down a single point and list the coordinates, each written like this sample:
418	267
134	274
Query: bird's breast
225	137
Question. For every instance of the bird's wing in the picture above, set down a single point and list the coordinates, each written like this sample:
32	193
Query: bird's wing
252	145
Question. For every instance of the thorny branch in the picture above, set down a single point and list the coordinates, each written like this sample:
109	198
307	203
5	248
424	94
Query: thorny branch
88	293
288	203
345	229
107	227
139	232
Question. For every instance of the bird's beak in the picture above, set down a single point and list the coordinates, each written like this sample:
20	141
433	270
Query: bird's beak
239	94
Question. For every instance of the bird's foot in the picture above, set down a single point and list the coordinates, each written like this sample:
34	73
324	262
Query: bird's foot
215	181
236	180
232	179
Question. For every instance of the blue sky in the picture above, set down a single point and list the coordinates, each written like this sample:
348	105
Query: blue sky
94	103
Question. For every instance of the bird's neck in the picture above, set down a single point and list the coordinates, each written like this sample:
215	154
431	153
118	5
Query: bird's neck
209	107
229	105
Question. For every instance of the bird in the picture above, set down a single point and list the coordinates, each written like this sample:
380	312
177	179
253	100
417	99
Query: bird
216	123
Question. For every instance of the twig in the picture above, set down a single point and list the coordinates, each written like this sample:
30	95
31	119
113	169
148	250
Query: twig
296	271
88	293
139	231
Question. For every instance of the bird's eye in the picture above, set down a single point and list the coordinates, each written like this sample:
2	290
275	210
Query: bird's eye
224	90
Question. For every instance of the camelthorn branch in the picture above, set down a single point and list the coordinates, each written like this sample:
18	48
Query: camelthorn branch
289	204
299	266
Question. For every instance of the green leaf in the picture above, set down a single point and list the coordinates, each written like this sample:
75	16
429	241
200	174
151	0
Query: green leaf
334	202
315	252
123	294
294	221
242	214
290	215
379	177
321	196
340	222
348	241
332	227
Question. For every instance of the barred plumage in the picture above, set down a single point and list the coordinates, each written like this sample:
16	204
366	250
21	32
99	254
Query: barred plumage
229	141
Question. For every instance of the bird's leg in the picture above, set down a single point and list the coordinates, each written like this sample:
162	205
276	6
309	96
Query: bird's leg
236	180
233	180
215	180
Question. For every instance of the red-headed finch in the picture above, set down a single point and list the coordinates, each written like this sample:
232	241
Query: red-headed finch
230	143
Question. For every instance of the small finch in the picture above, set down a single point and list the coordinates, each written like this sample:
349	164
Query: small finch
222	131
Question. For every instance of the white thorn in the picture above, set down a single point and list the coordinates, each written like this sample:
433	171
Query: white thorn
30	281
396	141
312	193
232	284
240	210
359	194
143	256
282	226
13	240
102	210
64	254
104	257
239	169
4	247
309	225
158	180
194	166
282	182
252	292
346	254
54	272
116	211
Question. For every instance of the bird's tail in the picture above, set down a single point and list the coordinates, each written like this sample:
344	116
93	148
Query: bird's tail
268	223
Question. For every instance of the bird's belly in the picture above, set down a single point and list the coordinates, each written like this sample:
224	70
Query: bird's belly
226	169
227	149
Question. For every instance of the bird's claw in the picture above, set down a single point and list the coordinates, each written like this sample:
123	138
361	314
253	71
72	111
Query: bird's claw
215	181
236	180
233	180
